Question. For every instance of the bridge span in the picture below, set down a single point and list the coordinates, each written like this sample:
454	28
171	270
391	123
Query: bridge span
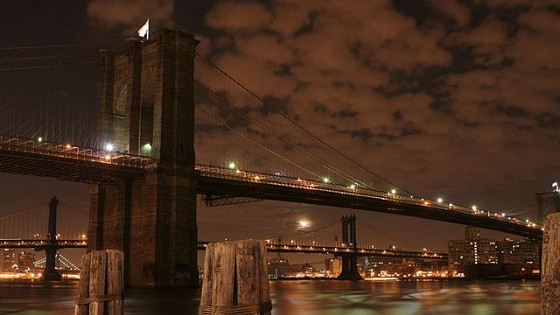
68	162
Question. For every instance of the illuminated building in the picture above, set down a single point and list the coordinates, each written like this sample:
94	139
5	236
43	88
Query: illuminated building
473	250
333	266
518	252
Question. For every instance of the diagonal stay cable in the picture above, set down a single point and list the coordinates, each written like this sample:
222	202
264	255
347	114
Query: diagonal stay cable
224	123
299	126
271	131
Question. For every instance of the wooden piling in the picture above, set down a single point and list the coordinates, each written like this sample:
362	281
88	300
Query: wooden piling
101	284
235	279
550	274
83	286
115	281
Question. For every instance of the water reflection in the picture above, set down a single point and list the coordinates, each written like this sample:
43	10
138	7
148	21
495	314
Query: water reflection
304	297
436	297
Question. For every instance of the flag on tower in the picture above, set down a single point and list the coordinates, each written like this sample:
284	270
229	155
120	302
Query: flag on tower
555	185
144	31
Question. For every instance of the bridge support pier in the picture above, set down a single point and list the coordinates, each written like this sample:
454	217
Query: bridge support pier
147	108
349	259
50	272
349	267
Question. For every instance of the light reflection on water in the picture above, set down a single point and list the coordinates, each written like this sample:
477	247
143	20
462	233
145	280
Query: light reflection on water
305	297
435	297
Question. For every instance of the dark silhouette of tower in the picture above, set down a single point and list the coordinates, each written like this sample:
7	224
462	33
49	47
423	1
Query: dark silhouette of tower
349	259
50	272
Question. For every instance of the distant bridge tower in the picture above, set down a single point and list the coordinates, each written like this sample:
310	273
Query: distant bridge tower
50	272
147	108
349	259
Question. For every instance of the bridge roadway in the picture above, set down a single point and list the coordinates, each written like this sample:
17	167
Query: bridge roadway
270	247
67	162
317	249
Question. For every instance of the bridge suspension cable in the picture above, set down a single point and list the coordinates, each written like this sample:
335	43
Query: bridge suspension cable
297	125
31	223
202	89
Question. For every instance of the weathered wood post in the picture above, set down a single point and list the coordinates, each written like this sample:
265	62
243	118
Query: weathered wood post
101	284
235	279
550	276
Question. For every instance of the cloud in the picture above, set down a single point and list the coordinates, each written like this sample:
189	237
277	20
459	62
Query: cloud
129	15
452	9
446	99
239	16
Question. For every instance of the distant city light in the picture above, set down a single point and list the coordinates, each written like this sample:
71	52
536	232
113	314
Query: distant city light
40	139
440	200
232	165
68	146
109	147
474	208
503	214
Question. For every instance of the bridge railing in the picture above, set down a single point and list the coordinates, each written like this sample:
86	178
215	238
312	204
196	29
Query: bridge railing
69	151
352	190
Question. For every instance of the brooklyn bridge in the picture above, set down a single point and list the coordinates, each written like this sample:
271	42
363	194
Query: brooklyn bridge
159	98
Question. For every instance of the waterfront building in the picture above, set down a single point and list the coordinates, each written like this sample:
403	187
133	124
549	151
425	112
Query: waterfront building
473	250
280	267
333	266
16	261
524	255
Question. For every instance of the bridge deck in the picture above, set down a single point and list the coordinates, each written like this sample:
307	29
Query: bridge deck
220	181
337	251
42	244
30	157
67	162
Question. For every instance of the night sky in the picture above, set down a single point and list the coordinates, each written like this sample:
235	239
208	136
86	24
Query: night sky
458	99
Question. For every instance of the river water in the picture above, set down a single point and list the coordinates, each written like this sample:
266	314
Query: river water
328	297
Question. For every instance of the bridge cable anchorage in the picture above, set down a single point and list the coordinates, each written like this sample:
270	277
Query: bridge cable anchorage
298	125
272	132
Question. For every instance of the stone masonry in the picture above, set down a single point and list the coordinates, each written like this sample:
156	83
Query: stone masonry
147	108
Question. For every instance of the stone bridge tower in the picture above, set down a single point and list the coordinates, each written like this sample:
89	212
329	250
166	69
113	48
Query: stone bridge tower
147	109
